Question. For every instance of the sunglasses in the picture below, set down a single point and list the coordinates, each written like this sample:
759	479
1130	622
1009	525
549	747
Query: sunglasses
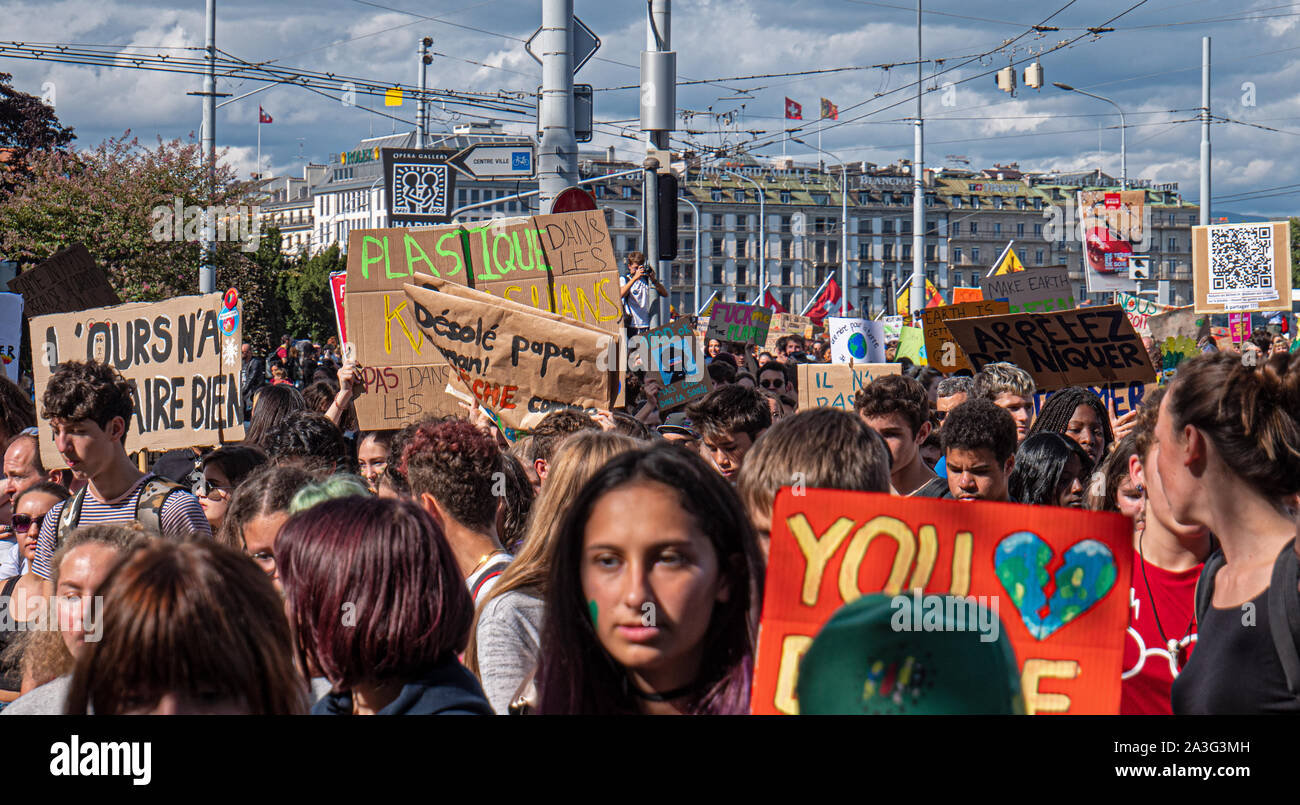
203	488
22	522
772	384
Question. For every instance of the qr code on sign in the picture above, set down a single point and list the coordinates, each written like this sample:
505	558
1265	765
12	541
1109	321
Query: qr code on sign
1241	258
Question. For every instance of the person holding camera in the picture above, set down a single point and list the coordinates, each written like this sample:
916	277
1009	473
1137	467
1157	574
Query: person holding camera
640	292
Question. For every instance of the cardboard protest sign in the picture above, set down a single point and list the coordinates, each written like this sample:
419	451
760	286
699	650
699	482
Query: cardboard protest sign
784	324
739	324
181	357
911	345
517	363
560	263
943	353
677	355
960	295
1241	267
893	327
1032	290
68	281
11	332
1083	347
833	385
1139	310
1239	328
1057	579
1124	396
1177	333
1111	222
856	340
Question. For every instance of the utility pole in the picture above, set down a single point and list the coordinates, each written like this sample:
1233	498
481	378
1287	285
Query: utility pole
918	189
422	105
658	118
1205	131
557	159
208	270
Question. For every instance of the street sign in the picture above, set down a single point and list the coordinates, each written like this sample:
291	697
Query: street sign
495	161
572	199
585	44
582	113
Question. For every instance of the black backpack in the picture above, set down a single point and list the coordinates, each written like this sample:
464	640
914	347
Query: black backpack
148	508
1283	608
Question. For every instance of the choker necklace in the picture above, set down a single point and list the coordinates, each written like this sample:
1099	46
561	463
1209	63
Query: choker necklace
666	696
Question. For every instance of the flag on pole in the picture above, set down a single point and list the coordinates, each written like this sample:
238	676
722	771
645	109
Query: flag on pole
828	302
769	301
830	110
904	298
793	111
262	116
1007	262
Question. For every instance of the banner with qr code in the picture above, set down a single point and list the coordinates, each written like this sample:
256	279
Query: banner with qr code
1240	267
420	186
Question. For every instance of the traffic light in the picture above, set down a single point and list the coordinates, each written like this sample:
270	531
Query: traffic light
1034	75
1007	79
667	201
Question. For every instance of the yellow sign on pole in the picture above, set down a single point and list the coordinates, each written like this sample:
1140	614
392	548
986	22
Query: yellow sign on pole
1007	262
393	97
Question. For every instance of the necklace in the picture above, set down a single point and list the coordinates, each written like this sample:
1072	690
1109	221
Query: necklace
1170	643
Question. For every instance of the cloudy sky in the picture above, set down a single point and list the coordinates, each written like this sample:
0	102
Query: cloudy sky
1149	65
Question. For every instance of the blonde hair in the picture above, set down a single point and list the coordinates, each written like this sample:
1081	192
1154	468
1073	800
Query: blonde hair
578	458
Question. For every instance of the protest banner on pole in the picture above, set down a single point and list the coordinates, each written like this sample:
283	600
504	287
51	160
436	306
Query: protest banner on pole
181	357
338	292
677	355
833	385
518	364
11	332
941	351
562	264
1111	222
1082	347
856	340
70	280
1241	267
1057	579
739	324
1033	290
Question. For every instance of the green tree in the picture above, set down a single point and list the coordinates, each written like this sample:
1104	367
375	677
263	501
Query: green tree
305	289
1295	252
257	277
27	126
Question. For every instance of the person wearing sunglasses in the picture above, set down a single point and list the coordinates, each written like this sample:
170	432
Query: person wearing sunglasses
772	377
219	473
21	594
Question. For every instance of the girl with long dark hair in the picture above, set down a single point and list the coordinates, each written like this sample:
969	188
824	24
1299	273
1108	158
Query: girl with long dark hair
1080	415
1050	470
654	593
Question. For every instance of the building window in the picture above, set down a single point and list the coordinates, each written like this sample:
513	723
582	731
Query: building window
956	228
1038	230
864	251
716	195
1020	230
931	253
717	273
956	279
889	251
865	226
821	198
907	251
1020	203
956	202
956	256
785	196
786	274
974	227
717	247
886	198
1038	257
740	273
975	255
1173	244
997	229
627	191
887	226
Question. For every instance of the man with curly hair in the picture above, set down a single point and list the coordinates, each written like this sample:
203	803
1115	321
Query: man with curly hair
898	408
89	407
979	442
455	474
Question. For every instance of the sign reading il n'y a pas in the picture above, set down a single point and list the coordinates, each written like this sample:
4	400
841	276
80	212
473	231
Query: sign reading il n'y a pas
182	363
834	385
1057	578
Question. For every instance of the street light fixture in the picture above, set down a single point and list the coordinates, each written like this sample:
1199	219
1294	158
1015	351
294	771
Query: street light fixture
1123	154
844	222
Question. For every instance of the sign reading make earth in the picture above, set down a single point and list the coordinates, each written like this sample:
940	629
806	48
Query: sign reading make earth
419	185
496	161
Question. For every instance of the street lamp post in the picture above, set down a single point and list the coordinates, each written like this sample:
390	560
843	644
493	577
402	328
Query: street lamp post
844	223
1123	153
762	232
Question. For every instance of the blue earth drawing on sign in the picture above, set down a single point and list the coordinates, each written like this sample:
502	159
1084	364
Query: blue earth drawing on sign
858	345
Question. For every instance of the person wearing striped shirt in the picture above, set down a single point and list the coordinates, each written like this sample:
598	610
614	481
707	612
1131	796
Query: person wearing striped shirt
89	407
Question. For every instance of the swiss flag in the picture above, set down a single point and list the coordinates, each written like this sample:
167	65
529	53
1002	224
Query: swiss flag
827	303
793	111
262	117
769	301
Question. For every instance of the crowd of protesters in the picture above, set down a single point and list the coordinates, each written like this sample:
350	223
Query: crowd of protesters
605	562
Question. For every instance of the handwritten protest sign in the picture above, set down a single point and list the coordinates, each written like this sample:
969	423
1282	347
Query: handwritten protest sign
1177	333
893	327
677	355
833	385
1058	580
911	345
740	324
560	263
518	363
182	363
943	353
784	324
338	291
68	281
1241	267
1139	311
11	332
1083	347
1239	328
856	340
1033	290
1124	396
960	295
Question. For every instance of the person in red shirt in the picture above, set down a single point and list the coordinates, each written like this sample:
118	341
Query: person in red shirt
1169	555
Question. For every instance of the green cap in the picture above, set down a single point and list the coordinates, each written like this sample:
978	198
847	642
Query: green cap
910	654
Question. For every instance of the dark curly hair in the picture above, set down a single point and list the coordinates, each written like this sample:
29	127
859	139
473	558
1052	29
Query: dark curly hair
310	439
88	390
978	424
1056	412
456	464
895	394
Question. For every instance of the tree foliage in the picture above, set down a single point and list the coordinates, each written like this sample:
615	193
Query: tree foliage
305	289
28	126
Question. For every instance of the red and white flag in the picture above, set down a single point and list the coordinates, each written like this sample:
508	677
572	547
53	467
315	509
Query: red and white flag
769	302
263	117
828	302
793	111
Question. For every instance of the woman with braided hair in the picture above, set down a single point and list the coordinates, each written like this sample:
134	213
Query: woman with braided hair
1076	413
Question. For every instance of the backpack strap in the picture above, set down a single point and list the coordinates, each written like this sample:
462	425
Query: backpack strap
148	508
1205	584
69	517
1284	614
